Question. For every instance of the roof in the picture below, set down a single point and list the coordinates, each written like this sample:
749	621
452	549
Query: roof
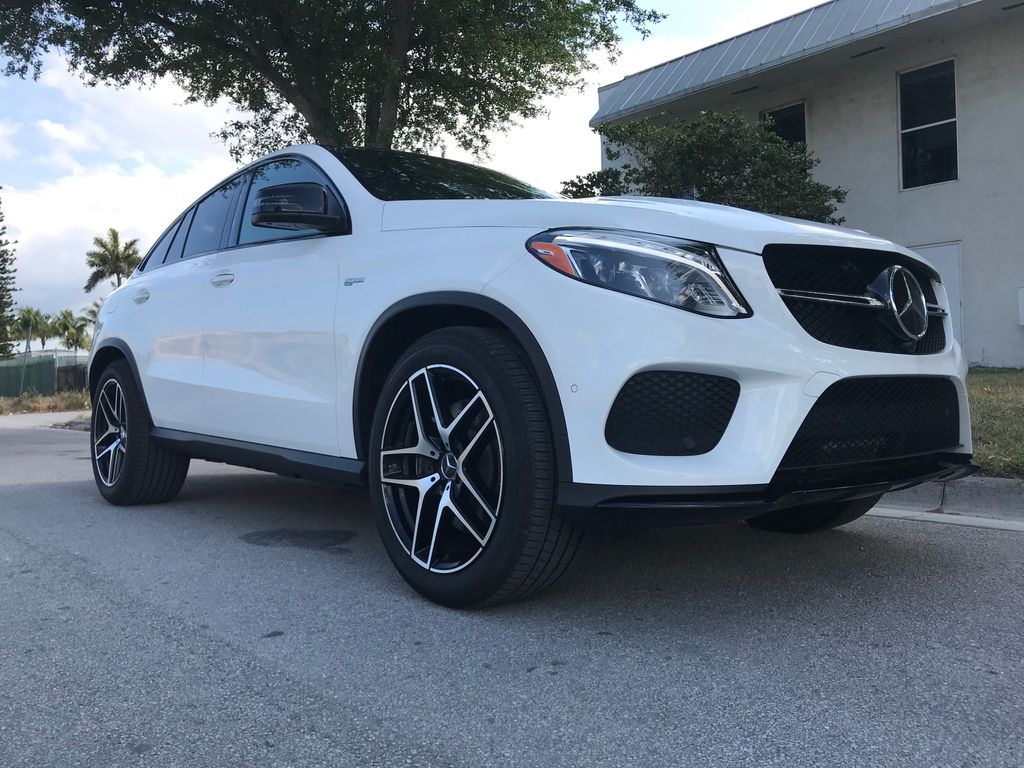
822	28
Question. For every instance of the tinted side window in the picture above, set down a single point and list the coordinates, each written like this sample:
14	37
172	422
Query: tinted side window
174	251
287	171
156	254
208	223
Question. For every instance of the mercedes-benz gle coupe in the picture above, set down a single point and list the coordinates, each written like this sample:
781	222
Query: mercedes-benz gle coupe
503	367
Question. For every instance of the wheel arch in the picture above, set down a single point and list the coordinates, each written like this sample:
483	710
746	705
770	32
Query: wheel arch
408	320
109	351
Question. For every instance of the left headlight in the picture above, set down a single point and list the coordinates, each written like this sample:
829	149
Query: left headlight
680	273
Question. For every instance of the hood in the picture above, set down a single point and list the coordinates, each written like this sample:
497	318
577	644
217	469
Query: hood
716	224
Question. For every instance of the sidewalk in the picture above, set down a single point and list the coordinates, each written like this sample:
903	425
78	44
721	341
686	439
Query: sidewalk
30	420
997	498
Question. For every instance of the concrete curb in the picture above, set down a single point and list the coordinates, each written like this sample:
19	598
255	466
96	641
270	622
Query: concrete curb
997	498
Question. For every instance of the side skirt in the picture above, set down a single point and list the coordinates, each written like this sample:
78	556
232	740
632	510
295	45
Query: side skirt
336	470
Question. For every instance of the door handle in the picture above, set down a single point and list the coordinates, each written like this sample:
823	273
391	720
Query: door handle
141	297
222	279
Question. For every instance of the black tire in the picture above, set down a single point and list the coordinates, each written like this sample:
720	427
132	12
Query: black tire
148	473
817	517
529	544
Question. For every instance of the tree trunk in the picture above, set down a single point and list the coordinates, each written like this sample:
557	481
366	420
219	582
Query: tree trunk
394	74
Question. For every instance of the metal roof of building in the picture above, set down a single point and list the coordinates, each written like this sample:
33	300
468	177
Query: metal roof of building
824	27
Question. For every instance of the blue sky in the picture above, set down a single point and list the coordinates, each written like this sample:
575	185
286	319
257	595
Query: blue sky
75	160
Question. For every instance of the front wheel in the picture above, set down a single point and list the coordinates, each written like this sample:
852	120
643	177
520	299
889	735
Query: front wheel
462	472
814	517
129	468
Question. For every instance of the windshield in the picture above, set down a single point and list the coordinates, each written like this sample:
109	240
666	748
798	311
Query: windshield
390	175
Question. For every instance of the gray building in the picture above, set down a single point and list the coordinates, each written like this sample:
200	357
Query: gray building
915	106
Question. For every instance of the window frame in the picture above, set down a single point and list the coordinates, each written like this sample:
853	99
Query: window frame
800	102
239	211
900	131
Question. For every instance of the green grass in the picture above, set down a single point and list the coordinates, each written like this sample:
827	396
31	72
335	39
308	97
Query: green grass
31	402
997	416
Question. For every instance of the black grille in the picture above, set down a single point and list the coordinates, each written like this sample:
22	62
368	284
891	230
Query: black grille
870	419
669	413
848	271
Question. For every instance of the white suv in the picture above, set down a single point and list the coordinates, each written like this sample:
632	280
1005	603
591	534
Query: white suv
502	367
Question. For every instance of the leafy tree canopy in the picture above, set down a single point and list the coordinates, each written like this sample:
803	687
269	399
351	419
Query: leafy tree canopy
377	72
8	326
718	158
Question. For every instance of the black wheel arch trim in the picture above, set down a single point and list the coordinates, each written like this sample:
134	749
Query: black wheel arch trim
122	347
511	322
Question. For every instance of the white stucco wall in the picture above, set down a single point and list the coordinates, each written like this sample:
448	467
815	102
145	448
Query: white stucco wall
852	126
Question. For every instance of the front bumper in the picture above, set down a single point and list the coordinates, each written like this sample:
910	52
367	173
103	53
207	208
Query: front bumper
645	506
595	340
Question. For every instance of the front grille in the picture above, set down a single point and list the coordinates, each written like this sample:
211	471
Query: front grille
877	418
848	271
671	413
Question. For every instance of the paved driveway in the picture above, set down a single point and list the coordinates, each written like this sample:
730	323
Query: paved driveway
256	621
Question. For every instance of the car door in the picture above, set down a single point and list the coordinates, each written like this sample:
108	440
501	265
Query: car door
164	304
270	375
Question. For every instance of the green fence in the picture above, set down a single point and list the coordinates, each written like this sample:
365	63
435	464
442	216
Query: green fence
40	375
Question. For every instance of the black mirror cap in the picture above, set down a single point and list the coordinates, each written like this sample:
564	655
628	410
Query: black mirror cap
304	205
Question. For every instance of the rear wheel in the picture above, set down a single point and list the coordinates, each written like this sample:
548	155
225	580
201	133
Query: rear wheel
462	472
817	517
129	468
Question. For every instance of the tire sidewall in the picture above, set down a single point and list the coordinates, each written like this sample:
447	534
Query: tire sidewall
523	462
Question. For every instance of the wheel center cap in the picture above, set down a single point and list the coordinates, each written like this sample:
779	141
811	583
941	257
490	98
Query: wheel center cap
449	466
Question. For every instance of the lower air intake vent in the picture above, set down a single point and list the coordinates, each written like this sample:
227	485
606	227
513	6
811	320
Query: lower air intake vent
669	413
867	419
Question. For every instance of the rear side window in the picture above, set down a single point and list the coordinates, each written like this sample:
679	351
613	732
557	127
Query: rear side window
174	251
285	171
210	217
156	254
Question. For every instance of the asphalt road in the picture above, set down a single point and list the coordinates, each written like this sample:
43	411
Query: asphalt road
256	621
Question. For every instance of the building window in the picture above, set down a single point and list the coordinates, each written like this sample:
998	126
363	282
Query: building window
928	125
789	123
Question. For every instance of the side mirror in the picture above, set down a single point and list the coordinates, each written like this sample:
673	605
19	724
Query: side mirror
304	205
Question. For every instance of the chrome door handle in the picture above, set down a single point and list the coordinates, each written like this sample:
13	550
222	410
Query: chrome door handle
222	279
141	297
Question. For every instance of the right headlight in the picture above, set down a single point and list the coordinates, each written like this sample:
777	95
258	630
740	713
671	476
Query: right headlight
680	273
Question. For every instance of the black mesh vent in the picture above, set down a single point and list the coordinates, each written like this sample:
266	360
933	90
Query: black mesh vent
669	413
849	271
868	419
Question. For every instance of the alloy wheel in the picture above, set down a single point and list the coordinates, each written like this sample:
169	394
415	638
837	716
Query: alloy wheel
110	432
441	468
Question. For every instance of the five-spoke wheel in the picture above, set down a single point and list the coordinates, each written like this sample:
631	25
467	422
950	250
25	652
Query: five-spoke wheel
129	466
441	468
110	437
463	474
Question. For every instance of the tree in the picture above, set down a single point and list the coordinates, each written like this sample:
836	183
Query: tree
92	312
31	322
380	73
8	326
718	158
71	329
111	259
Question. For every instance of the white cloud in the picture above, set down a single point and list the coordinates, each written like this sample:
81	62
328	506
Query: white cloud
54	224
7	131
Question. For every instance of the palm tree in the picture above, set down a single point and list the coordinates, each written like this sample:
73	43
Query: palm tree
31	322
70	328
111	259
92	312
